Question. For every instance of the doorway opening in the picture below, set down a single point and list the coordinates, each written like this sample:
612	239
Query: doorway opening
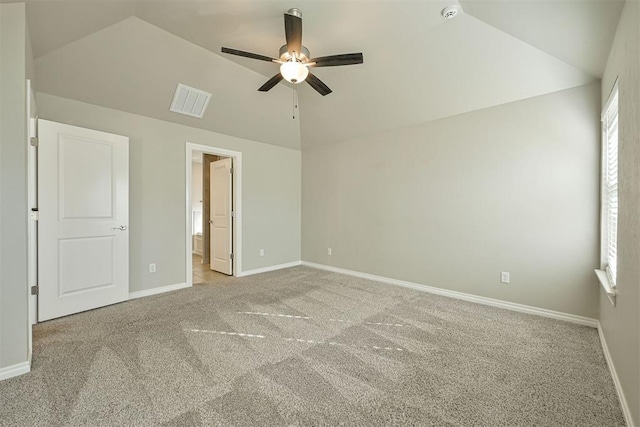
213	215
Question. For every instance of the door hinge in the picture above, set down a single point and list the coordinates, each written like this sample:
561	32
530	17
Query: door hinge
231	171
34	141
233	214
231	256
35	215
35	290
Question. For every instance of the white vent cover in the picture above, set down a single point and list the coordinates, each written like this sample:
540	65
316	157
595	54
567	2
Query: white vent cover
190	101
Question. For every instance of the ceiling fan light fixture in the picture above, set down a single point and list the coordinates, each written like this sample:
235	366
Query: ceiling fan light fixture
294	72
295	58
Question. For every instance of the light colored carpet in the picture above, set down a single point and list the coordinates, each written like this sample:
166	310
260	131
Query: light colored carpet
306	347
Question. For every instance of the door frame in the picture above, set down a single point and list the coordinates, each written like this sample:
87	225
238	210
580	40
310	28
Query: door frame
236	202
32	203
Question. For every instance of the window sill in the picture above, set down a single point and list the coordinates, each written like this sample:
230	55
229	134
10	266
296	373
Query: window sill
606	285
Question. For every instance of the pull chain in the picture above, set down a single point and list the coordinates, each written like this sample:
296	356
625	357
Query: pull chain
295	100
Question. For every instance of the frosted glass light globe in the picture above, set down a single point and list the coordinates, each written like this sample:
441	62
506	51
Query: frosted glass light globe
294	72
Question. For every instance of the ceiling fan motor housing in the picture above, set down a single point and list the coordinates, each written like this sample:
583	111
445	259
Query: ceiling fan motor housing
302	56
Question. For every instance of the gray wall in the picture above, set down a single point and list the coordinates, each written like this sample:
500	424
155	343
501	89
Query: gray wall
13	186
271	190
621	324
29	61
453	202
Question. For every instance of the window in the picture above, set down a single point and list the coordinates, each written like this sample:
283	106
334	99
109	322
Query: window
610	187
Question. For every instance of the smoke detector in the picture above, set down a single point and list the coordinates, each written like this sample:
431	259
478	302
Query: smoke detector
450	12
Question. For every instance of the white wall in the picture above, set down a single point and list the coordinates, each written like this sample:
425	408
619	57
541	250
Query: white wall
271	190
453	202
13	186
621	324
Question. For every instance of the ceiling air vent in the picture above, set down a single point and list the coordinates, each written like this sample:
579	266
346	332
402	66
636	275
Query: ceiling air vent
190	101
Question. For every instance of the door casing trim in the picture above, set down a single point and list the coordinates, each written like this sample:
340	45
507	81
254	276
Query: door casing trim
236	203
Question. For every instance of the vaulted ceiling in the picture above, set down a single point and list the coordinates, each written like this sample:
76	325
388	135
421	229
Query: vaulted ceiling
129	55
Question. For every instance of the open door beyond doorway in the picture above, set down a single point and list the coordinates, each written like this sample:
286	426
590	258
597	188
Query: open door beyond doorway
221	216
234	208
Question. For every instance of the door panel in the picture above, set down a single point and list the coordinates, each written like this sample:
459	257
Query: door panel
86	187
85	263
83	180
220	216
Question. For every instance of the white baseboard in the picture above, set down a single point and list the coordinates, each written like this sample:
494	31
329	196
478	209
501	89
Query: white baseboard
15	370
270	268
158	290
587	321
616	381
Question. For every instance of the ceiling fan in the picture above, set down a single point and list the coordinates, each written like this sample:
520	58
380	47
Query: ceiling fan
295	58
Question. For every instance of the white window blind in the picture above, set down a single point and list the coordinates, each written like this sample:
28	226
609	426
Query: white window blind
610	185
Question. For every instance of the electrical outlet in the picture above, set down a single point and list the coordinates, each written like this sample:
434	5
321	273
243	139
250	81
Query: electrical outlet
328	251
152	268
504	276
261	252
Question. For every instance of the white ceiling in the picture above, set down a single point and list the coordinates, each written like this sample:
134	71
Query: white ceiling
417	67
134	66
578	32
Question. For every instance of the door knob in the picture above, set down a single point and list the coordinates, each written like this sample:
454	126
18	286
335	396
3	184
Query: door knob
121	228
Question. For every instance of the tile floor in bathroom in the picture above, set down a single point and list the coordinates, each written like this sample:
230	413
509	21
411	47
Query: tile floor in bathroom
202	273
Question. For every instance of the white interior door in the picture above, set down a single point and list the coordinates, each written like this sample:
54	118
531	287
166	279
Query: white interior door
220	216
83	202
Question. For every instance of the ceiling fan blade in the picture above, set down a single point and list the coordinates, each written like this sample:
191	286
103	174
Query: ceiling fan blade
293	33
271	83
247	54
337	60
318	85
